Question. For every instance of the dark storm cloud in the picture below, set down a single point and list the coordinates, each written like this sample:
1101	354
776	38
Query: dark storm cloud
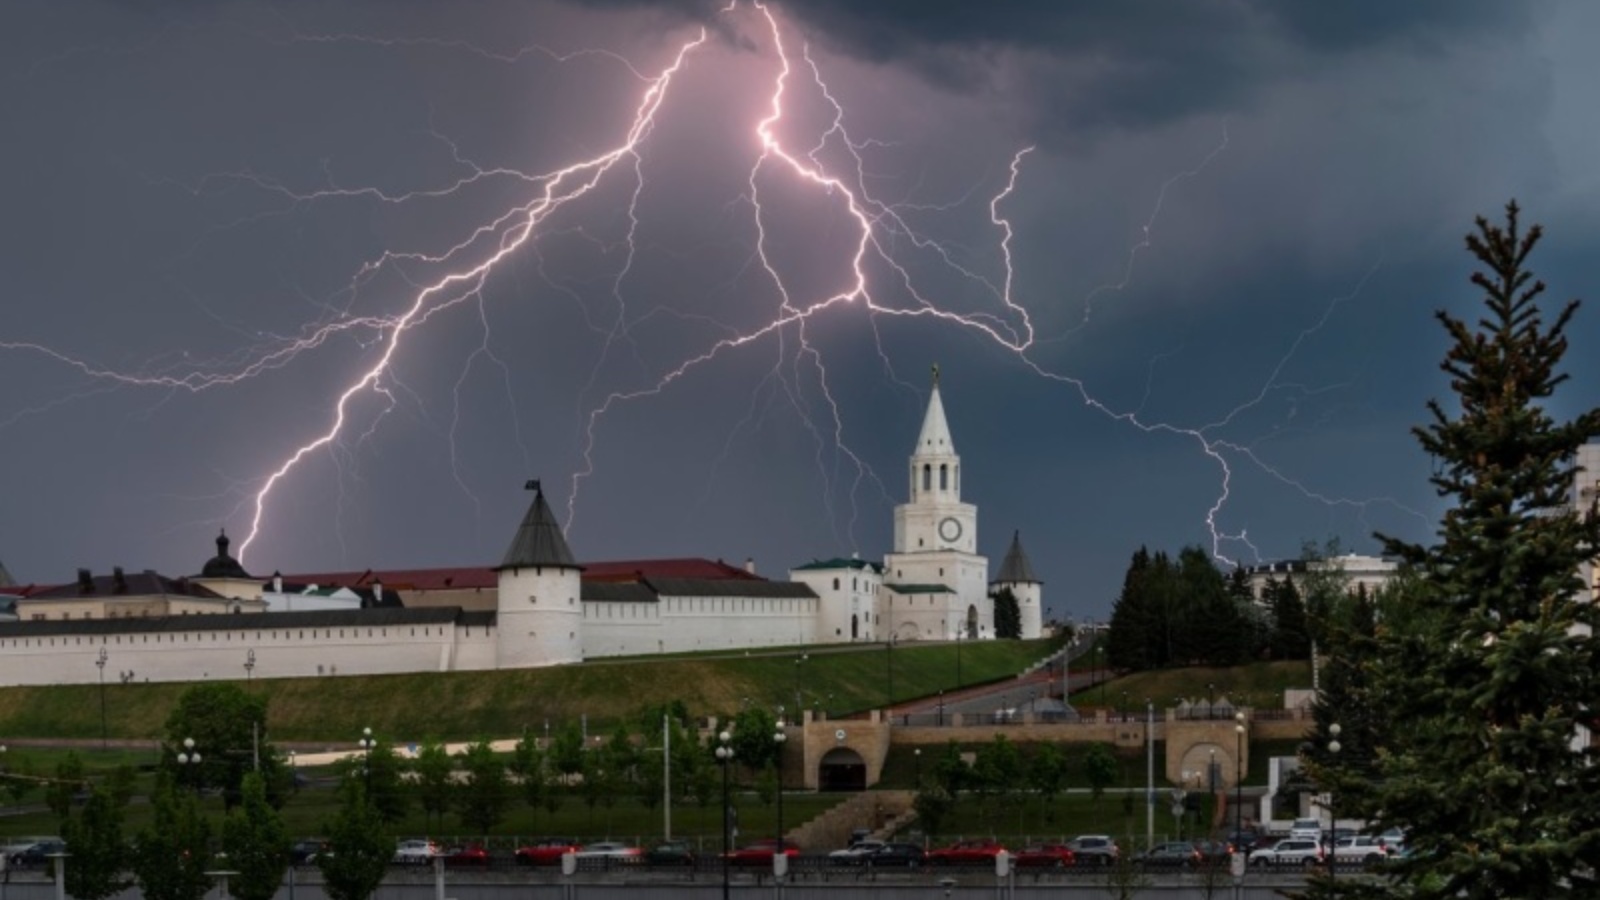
1092	65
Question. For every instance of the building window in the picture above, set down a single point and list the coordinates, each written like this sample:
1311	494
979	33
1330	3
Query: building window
944	477
836	584
533	598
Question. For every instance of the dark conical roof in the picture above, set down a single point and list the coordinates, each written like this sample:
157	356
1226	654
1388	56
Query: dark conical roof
538	541
1016	569
5	577
222	565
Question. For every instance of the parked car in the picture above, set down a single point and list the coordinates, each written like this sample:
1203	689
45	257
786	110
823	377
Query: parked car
469	856
1248	839
1214	853
897	855
612	850
1169	855
305	851
546	851
1289	852
670	853
1306	828
1094	849
1366	849
761	852
415	852
1055	856
855	854
980	850
37	854
16	845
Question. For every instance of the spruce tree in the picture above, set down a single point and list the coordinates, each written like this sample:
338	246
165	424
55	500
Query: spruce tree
1490	681
1007	614
1125	645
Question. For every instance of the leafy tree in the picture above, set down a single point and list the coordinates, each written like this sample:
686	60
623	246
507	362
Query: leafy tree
484	791
229	728
998	768
1007	614
1491	677
754	744
933	807
950	772
598	782
257	844
99	855
68	781
566	749
1099	770
1047	776
169	858
433	770
19	779
384	772
359	849
528	764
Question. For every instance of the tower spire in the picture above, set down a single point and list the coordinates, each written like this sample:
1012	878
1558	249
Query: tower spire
935	437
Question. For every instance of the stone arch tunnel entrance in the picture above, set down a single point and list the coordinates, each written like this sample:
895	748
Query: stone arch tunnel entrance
842	769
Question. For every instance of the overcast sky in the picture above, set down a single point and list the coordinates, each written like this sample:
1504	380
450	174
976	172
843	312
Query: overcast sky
233	230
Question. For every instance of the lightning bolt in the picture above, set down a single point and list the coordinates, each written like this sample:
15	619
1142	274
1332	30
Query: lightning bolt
881	280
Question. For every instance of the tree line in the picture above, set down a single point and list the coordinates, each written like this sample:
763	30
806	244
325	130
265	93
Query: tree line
1187	612
216	742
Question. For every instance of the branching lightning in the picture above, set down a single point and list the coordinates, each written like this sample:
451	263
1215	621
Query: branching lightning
881	281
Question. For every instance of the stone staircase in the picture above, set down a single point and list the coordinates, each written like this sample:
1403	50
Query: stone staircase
883	812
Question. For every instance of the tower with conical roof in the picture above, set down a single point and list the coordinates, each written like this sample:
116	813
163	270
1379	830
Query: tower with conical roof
539	613
1016	573
936	534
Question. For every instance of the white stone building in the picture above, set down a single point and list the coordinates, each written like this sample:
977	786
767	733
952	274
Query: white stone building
538	607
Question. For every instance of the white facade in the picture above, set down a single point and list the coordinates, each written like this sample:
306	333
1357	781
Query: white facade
538	610
1369	572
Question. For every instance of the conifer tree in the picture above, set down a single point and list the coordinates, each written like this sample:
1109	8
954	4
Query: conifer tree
1007	614
1125	645
1491	679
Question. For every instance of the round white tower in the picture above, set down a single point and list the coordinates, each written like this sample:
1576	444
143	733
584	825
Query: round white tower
539	614
1016	573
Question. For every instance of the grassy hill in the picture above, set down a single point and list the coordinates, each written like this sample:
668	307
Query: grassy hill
468	705
1259	685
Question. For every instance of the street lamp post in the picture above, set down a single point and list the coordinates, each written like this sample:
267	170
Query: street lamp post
1149	773
187	757
798	704
366	744
1333	814
100	663
916	768
1238	773
780	737
724	755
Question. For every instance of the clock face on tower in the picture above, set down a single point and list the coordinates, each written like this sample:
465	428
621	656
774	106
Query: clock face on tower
950	529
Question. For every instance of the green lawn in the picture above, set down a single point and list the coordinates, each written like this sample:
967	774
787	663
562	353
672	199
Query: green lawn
470	705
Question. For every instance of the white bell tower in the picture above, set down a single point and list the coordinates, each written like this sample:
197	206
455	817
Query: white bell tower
936	535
